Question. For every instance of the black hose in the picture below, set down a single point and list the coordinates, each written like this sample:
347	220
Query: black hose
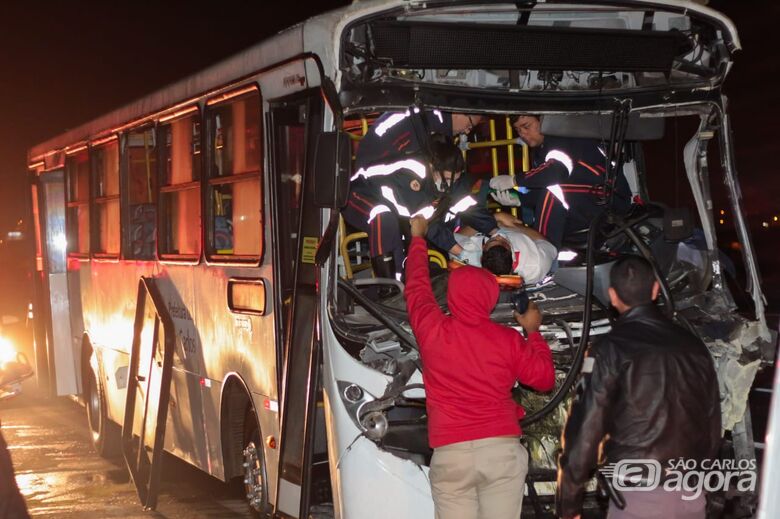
576	364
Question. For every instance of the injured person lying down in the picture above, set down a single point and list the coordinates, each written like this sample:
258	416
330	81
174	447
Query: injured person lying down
514	250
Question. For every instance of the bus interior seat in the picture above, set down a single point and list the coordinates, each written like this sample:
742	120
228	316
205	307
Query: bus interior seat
347	239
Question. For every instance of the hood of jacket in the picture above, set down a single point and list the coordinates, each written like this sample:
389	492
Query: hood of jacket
472	293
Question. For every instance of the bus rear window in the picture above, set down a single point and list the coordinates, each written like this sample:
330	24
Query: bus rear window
234	193
77	168
106	168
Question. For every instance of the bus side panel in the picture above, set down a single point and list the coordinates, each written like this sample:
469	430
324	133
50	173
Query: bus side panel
108	298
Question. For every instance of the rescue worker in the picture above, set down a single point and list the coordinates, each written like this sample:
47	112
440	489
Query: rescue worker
452	186
392	183
650	389
565	185
470	365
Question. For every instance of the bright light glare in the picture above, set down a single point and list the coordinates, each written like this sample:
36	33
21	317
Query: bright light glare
7	351
60	242
566	255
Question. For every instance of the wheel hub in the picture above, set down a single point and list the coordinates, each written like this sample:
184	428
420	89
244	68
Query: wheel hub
253	476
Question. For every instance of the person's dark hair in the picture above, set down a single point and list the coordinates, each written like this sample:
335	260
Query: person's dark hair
497	260
514	117
445	156
632	278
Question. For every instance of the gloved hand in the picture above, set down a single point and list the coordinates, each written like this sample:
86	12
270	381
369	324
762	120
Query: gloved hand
507	197
502	182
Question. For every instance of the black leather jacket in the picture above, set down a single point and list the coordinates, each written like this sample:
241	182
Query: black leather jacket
652	392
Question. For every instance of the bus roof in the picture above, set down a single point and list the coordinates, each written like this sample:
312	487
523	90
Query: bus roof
321	34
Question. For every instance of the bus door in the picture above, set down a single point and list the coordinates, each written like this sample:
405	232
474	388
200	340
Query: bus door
294	125
61	358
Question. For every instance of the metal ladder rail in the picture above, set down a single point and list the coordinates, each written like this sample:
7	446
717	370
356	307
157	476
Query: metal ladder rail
144	469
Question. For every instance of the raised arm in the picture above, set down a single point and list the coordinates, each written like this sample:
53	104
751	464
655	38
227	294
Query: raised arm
424	312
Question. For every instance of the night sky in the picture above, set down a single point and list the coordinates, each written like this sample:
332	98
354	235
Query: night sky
64	63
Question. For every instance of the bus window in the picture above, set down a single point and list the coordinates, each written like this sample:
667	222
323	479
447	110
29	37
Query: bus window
141	156
106	167
234	195
180	192
77	167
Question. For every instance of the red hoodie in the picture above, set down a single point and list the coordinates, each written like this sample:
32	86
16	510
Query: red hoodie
470	363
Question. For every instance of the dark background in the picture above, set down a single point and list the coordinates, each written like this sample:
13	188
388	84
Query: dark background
63	63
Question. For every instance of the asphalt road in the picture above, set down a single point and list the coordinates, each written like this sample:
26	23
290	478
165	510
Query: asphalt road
61	476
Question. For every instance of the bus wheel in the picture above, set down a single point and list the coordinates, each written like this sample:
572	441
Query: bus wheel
254	468
105	434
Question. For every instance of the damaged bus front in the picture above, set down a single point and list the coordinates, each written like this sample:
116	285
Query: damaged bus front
644	79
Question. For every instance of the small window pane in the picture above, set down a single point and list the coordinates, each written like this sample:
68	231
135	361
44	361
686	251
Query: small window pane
236	142
108	215
183	222
182	150
107	169
141	152
106	164
77	168
237	218
78	177
180	201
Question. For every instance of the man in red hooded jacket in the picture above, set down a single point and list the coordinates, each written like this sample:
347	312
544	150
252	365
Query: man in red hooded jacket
470	365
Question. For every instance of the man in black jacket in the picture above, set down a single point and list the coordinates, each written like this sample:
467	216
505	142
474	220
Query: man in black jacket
650	390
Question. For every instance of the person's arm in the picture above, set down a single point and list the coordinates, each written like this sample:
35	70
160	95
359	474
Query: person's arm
507	220
585	427
528	231
480	219
424	311
553	171
533	363
443	237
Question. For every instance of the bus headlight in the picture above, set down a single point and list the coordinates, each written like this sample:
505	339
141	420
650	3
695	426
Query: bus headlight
13	364
373	423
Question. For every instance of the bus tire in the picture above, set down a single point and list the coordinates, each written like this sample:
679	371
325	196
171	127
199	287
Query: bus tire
104	434
255	486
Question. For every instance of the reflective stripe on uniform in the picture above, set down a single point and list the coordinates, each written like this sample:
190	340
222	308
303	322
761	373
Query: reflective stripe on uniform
377	210
463	204
390	196
415	166
561	157
557	192
426	212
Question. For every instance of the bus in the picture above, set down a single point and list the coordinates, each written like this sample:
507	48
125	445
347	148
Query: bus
197	289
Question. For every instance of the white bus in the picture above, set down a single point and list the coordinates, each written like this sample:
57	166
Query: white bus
195	287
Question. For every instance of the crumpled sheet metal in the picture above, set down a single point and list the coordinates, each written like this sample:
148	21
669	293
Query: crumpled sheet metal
735	381
735	372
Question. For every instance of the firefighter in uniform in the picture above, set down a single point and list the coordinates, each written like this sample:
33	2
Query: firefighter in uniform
402	171
565	186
